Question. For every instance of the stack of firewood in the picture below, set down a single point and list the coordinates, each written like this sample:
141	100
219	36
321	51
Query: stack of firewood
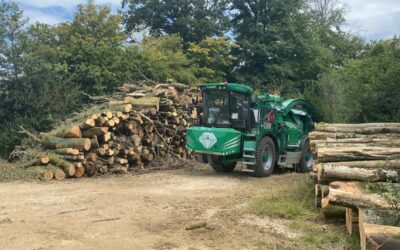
357	167
148	123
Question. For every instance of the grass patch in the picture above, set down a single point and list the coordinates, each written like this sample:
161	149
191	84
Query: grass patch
290	201
15	172
295	202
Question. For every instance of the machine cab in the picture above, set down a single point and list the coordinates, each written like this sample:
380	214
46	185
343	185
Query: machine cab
227	106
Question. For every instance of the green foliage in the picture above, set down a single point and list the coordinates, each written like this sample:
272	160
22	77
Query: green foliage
392	195
91	45
213	58
366	89
192	20
163	58
277	45
293	47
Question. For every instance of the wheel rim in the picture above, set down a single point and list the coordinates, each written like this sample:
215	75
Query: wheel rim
309	158
266	158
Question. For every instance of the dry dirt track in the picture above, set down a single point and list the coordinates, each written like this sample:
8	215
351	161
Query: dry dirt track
148	211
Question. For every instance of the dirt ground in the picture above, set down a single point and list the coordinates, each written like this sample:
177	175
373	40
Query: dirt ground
149	211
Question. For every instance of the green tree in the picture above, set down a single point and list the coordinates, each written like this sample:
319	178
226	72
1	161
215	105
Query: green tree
213	58
278	49
91	45
368	88
162	58
192	20
327	17
33	93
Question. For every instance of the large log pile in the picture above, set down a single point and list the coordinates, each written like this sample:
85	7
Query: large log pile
355	163
145	124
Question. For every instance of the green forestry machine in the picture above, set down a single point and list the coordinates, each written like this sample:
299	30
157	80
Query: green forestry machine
263	134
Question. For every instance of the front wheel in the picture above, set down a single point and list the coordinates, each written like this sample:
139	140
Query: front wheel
306	160
219	166
265	157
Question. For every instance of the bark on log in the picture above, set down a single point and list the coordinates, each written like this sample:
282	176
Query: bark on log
144	102
330	172
45	174
356	200
389	164
73	157
364	128
59	174
69	132
357	154
66	166
57	142
98	131
67	151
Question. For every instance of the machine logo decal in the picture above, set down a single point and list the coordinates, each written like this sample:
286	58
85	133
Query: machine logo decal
208	139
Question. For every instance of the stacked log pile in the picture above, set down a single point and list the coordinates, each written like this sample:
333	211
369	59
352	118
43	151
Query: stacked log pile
355	164
146	124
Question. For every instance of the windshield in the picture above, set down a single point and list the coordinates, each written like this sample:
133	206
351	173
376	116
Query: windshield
216	108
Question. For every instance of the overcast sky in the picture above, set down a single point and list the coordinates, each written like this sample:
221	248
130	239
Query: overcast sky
372	19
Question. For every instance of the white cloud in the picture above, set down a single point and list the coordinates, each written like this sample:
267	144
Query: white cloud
373	19
41	17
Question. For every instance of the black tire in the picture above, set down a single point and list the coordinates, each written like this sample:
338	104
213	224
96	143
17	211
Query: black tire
265	157
219	166
306	160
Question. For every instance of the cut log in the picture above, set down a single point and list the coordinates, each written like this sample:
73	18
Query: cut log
69	132
144	102
66	166
67	151
59	174
331	172
136	140
107	114
91	157
364	128
57	142
357	154
389	164
73	157
45	174
118	169
356	200
88	123
106	137
101	151
79	171
98	131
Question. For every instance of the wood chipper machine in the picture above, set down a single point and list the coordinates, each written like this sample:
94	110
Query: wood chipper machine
263	134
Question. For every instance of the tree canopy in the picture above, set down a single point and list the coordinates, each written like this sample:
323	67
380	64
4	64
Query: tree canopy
295	47
193	20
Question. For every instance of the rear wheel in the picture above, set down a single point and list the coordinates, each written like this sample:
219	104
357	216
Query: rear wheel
307	158
219	166
265	157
